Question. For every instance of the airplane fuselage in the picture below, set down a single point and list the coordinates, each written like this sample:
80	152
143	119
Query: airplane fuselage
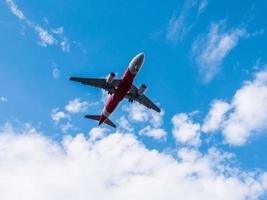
123	87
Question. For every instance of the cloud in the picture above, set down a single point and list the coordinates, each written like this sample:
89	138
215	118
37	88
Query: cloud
125	125
65	45
66	127
14	8
156	133
248	114
116	166
185	131
215	116
138	113
57	115
211	49
202	5
180	25
3	99
97	133
56	73
47	38
76	106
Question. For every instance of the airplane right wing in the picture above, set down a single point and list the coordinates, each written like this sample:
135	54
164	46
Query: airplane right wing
142	99
99	83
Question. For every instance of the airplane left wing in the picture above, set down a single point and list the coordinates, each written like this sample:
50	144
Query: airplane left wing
142	99
99	83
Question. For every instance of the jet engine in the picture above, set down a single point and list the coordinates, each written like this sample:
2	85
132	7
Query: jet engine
110	78
142	89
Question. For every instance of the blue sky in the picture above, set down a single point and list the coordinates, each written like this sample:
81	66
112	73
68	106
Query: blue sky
205	65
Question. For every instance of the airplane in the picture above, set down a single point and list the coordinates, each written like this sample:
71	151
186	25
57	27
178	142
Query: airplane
119	89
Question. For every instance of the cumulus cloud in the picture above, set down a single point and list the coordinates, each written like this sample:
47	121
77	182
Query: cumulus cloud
211	49
97	133
185	131
47	38
248	113
138	113
118	167
156	133
125	125
67	126
76	106
180	25
57	115
215	116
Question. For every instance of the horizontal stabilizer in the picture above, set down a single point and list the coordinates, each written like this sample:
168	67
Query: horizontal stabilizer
97	118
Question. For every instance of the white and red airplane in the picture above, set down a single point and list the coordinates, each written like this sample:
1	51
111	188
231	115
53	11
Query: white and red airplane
119	89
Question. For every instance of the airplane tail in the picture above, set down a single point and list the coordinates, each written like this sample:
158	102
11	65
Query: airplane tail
97	118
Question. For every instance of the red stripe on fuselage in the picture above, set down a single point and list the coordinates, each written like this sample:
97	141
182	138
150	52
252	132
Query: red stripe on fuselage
120	93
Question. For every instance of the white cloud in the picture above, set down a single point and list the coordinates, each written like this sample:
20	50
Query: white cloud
47	38
185	131
211	50
116	167
249	116
180	25
3	99
59	30
57	115
97	133
124	124
66	127
138	113
15	10
156	133
215	116
76	106
65	45
56	73
246	113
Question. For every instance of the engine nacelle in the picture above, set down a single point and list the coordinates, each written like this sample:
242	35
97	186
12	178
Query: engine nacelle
110	78
142	89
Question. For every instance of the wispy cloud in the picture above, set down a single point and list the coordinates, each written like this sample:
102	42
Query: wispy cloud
179	25
56	73
211	49
3	99
46	37
15	10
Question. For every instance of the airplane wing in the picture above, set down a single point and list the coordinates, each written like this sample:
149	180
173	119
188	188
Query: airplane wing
142	99
99	83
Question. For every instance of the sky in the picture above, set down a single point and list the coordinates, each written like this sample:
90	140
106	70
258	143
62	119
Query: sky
205	66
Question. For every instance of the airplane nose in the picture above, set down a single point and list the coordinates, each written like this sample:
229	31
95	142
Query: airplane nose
136	63
140	58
